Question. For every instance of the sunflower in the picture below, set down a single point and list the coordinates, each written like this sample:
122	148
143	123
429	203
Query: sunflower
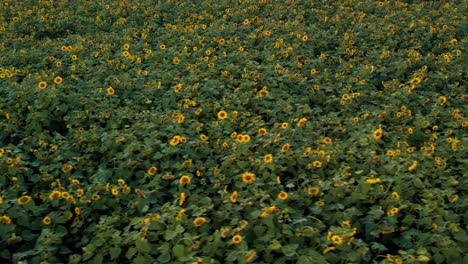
319	203
184	180
66	195
180	215
55	195
248	177
262	93
79	192
182	198
301	122
317	164
233	197
373	180
328	249
415	80
283	196
151	171
236	239
178	88
313	191
337	240
42	85
268	158
5	219
251	256
393	211
67	168
110	91
378	133
46	220
199	221
174	141
58	80
413	166
24	199
262	131
222	115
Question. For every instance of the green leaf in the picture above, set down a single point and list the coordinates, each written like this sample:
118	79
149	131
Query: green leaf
255	214
141	259
269	222
179	229
61	231
376	213
312	257
178	250
64	250
232	256
98	259
142	246
461	236
259	230
169	235
115	252
164	257
274	245
289	250
74	259
418	183
28	235
130	252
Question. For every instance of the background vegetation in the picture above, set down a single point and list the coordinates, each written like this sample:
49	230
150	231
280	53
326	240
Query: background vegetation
233	131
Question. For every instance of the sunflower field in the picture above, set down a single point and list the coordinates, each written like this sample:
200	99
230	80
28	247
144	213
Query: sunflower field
233	131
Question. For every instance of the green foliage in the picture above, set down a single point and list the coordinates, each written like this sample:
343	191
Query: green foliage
232	132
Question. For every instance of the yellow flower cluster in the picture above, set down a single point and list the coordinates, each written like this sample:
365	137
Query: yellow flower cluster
270	210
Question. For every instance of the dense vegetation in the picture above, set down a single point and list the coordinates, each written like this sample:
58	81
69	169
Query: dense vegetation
233	131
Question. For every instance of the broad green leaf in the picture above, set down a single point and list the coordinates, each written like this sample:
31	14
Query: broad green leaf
98	259
141	259
169	235
461	236
130	252
142	246
178	250
232	256
289	250
115	252
274	245
179	229
164	257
